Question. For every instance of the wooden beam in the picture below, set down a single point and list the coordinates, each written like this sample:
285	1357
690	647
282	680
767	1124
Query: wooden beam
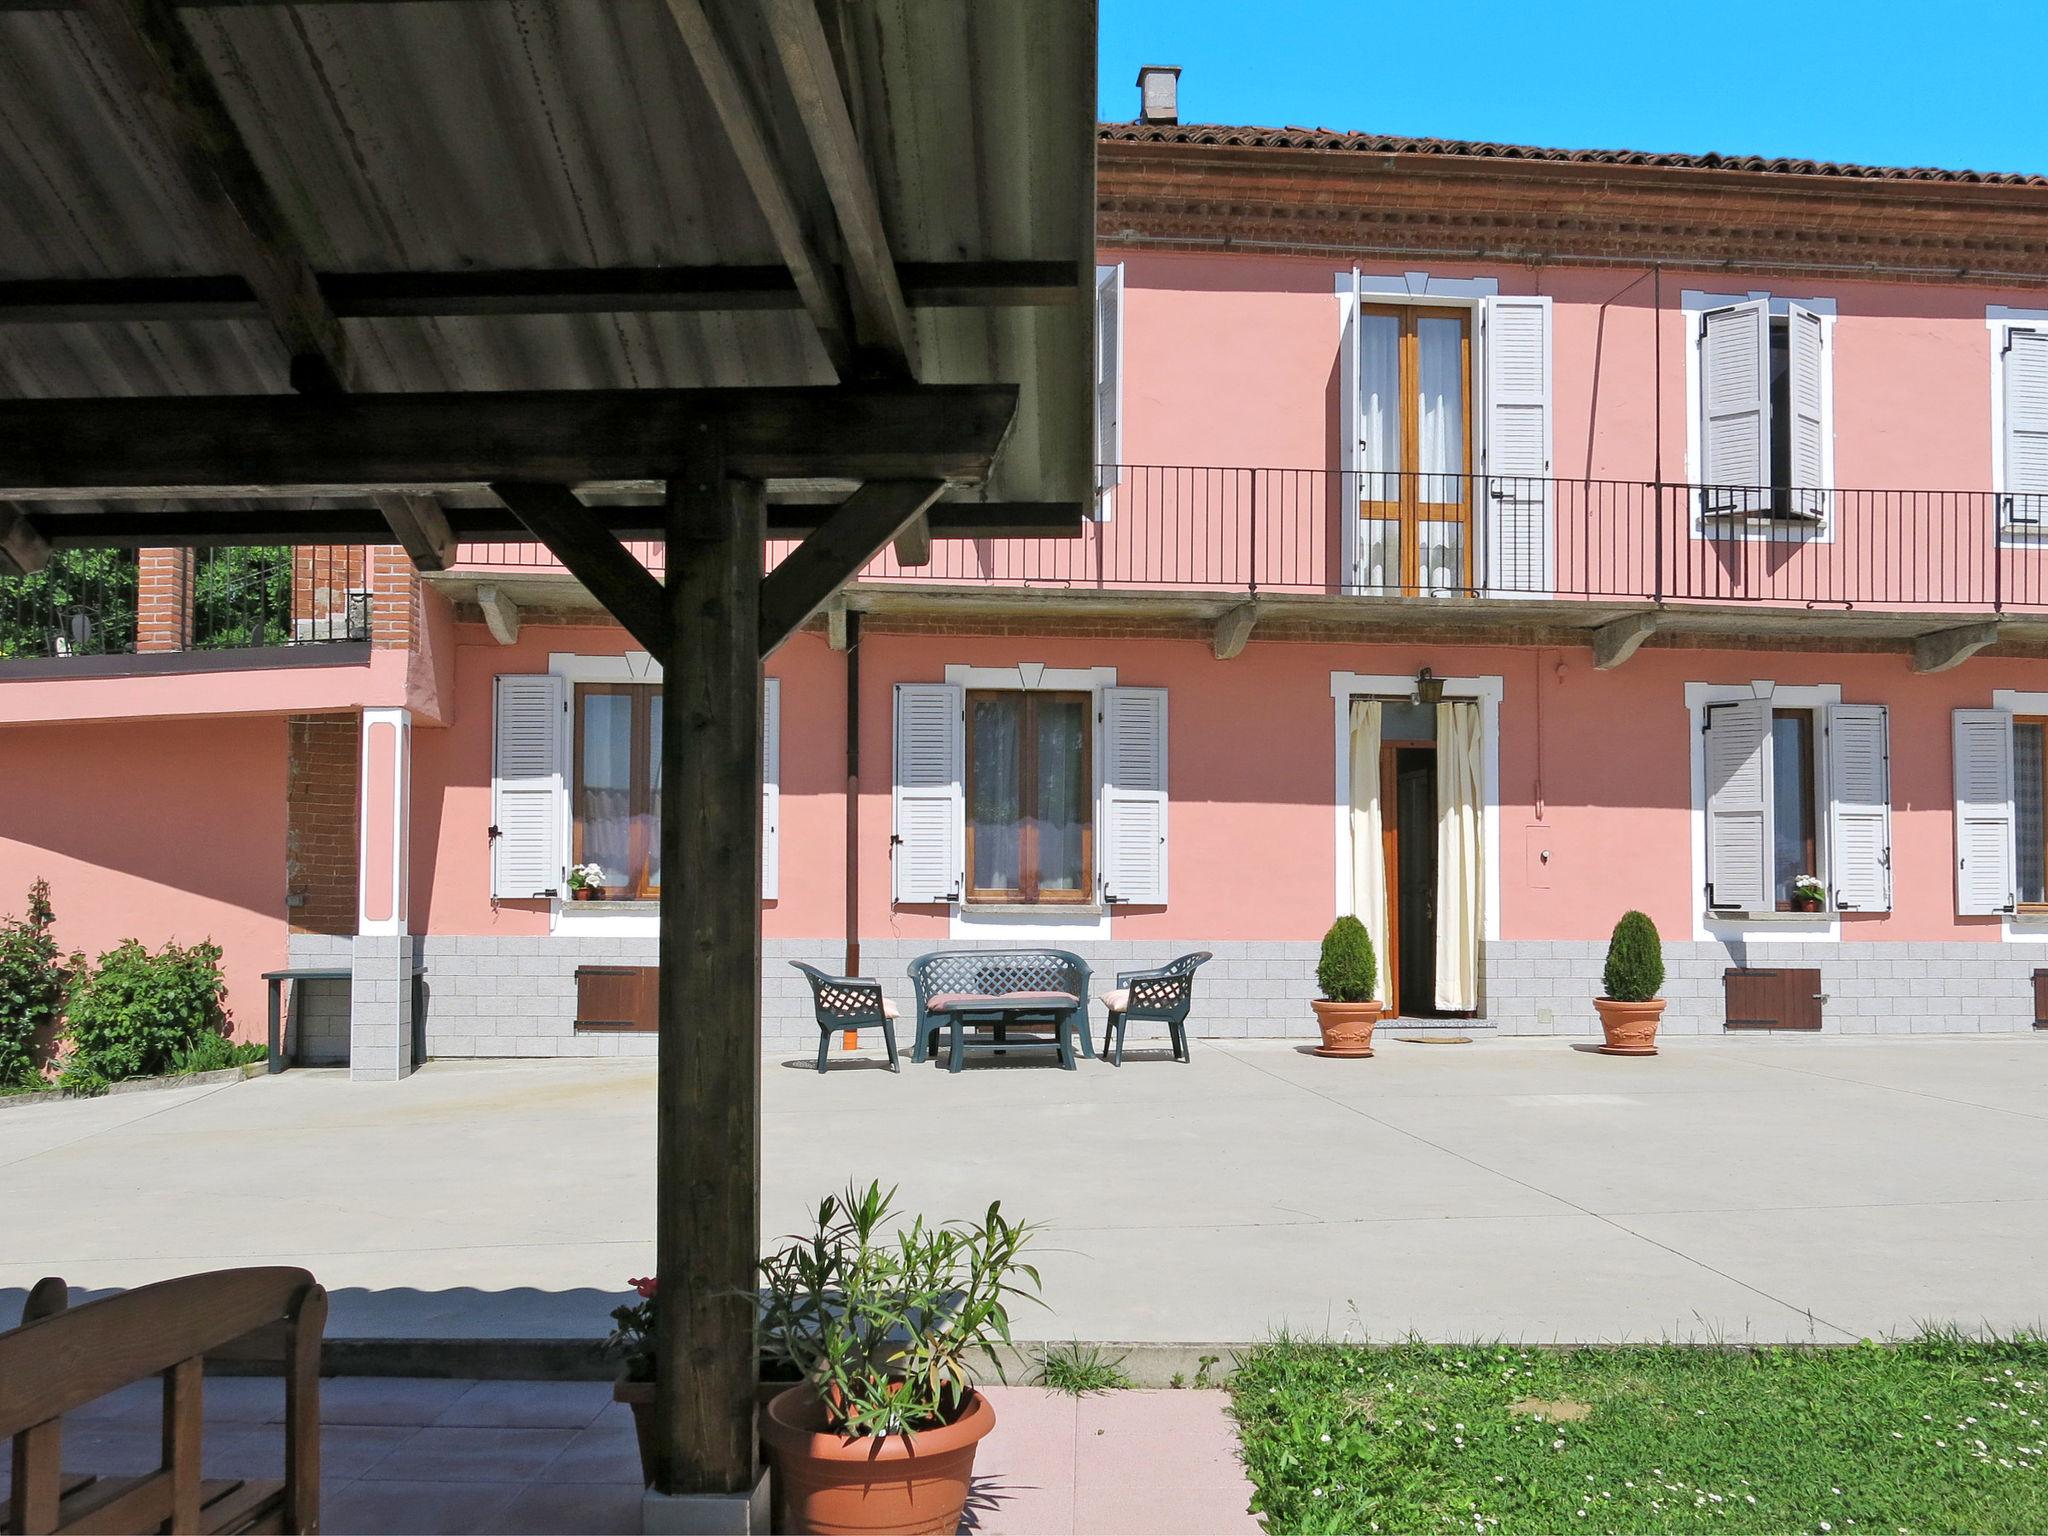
24	549
747	136
548	291
168	78
881	318
501	614
421	528
914	543
607	569
708	1080
1615	642
1234	630
117	524
1947	648
817	568
417	441
174	96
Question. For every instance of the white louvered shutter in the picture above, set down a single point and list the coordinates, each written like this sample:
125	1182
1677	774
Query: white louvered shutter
1740	861
1806	393
1735	407
1517	498
1860	807
1133	839
1109	380
930	807
771	789
1348	427
1984	812
529	800
2026	428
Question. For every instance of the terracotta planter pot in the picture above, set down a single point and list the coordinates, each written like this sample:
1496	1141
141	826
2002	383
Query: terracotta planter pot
828	1485
1347	1027
583	893
639	1396
1630	1028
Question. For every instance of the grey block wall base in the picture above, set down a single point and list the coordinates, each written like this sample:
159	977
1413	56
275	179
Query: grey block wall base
706	1514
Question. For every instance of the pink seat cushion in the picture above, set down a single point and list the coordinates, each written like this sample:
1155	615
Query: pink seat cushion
951	1002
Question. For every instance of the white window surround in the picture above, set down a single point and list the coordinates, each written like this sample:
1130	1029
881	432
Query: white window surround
1416	287
1355	288
1694	302
1999	320
1035	924
604	919
1755	927
2022	927
1488	690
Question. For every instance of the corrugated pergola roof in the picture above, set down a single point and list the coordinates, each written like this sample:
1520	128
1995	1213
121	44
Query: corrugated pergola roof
549	195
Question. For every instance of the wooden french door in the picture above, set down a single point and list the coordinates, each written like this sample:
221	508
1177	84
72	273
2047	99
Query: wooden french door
1415	433
1408	847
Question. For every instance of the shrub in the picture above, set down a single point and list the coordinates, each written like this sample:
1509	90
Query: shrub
135	1012
1635	961
212	1053
1348	971
32	978
881	1319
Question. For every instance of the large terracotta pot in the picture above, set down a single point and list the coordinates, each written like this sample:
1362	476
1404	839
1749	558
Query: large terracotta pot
1630	1028
1347	1027
828	1485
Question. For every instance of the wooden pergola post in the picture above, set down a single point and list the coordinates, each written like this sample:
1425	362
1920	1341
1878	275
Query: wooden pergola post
707	1220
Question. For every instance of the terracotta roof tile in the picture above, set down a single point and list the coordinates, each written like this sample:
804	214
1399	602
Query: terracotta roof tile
1394	144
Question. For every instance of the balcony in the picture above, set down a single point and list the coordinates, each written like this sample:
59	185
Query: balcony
171	602
1483	553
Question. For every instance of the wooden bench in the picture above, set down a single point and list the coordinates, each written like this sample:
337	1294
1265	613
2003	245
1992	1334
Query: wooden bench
63	1357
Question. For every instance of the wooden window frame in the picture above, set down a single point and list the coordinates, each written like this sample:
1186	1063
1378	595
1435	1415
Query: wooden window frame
1028	891
1809	775
2042	722
1408	511
642	803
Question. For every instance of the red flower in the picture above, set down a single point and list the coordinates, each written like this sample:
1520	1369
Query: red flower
644	1285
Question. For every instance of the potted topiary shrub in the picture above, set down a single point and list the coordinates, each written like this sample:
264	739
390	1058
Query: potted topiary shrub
1634	975
1349	975
882	1319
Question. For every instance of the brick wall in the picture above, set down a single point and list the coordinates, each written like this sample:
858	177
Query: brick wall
163	600
320	821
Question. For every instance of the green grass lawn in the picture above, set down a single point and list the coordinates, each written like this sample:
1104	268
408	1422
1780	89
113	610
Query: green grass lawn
1935	1435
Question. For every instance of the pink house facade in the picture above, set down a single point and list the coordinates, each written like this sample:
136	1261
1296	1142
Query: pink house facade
1487	543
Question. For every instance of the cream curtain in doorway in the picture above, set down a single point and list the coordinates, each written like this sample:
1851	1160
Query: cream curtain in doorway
1368	861
1457	854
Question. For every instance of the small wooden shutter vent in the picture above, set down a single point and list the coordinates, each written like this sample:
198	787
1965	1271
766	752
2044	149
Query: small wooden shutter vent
1772	999
617	997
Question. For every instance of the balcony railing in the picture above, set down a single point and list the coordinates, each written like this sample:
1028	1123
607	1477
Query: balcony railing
108	602
1340	533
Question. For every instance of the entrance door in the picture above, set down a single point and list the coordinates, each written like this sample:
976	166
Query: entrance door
1415	431
1408	774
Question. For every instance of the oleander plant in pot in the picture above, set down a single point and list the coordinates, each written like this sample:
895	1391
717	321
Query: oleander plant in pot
1630	1007
885	1322
1349	975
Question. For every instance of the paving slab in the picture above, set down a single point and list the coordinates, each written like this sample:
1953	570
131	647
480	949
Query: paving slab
1730	1188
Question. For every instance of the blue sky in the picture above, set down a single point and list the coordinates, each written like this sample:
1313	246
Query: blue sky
1891	82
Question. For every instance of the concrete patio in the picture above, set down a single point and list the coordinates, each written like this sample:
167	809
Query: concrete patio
1766	1189
408	1457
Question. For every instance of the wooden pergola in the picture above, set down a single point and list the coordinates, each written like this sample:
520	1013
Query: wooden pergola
421	271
